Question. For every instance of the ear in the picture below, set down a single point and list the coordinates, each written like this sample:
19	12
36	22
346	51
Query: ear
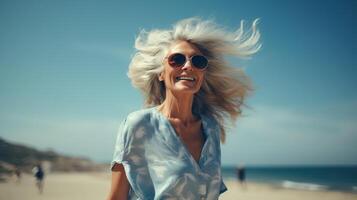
161	76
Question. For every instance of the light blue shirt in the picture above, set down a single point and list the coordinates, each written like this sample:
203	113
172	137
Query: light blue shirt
159	166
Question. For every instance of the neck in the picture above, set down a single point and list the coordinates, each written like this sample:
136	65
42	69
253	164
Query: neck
178	107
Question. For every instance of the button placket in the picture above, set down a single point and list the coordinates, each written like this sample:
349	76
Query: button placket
202	190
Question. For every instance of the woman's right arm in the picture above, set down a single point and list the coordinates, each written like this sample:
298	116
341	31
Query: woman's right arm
120	185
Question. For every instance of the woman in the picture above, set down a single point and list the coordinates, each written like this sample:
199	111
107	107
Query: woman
171	150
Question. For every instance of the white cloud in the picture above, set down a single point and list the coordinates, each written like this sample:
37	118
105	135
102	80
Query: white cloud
277	135
275	120
93	138
265	135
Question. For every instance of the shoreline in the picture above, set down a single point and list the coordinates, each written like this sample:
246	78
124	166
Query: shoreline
293	185
96	185
258	190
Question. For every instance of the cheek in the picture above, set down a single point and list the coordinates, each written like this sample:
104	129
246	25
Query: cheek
169	77
202	78
165	74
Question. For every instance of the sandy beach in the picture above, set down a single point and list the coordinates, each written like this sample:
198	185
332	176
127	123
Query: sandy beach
95	186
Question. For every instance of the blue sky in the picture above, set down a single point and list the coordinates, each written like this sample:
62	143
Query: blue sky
63	82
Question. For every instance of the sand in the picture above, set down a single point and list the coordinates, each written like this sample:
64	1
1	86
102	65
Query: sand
95	186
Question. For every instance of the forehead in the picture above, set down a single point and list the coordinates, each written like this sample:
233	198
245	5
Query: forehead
185	48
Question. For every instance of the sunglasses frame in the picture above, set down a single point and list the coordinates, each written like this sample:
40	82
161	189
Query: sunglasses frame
186	59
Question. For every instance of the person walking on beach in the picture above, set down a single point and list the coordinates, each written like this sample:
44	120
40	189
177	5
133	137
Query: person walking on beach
241	175
171	149
39	175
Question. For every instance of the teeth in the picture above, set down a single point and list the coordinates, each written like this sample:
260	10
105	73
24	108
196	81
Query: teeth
185	78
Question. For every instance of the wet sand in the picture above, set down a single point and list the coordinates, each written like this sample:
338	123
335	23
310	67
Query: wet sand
95	186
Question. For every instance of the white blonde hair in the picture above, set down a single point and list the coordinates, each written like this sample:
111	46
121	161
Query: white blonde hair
225	87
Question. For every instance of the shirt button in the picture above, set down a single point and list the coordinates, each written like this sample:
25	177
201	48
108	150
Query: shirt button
202	190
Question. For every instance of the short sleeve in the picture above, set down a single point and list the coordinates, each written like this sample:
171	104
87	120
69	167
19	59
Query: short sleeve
130	152
120	146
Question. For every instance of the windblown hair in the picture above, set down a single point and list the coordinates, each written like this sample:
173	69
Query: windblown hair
224	88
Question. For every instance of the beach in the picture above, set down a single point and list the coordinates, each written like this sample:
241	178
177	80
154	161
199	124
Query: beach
95	186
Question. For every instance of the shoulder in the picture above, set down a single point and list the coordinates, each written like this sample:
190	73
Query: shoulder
139	117
135	128
138	122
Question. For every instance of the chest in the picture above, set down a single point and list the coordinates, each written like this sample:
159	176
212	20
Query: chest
192	138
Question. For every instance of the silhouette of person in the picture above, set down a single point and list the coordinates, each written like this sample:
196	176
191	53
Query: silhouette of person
39	175
241	175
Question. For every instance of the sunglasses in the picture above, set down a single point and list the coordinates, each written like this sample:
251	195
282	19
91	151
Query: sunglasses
177	60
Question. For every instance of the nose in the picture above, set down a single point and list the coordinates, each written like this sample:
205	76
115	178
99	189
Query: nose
187	65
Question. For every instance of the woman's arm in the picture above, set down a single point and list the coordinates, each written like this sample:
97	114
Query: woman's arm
120	185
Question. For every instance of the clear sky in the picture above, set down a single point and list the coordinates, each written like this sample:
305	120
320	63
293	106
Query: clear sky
63	82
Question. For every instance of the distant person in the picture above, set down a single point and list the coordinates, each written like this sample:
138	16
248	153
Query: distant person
18	175
171	149
39	175
241	175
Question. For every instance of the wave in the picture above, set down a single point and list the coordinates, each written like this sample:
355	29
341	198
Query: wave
303	186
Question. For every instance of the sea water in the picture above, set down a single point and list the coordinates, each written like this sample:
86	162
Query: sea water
340	178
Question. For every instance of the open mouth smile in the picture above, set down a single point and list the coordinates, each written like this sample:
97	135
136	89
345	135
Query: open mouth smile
186	78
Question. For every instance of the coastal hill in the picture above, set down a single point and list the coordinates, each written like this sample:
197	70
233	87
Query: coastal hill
23	157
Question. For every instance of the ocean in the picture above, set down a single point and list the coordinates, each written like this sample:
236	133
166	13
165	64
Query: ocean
337	178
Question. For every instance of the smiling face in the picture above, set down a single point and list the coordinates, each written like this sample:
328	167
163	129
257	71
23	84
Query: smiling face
186	79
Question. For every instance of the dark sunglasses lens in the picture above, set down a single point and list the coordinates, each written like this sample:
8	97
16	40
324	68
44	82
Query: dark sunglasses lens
177	60
199	61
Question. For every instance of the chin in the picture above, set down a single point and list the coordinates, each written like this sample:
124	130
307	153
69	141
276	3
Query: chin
186	90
